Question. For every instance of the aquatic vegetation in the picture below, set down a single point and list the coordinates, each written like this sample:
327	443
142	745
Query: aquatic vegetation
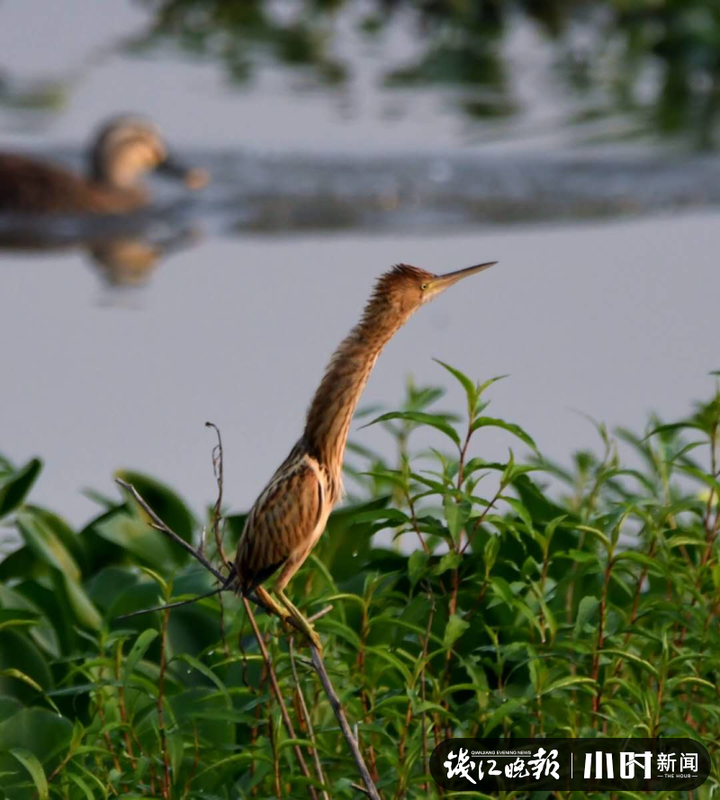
519	598
630	68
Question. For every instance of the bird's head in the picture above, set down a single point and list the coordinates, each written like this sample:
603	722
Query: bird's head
128	146
407	288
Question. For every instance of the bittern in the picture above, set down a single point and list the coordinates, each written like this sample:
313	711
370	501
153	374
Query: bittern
123	149
290	515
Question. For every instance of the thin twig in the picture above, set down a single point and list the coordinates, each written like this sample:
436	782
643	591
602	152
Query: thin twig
317	660
159	525
308	721
275	753
122	707
426	642
218	470
196	761
320	614
160	709
176	604
106	735
364	699
339	712
278	695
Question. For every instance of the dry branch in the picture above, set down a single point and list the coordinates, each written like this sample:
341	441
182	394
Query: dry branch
278	694
317	661
308	720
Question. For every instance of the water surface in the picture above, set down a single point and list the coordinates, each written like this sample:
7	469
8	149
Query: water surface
613	320
605	300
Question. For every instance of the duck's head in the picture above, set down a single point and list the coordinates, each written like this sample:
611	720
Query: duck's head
127	147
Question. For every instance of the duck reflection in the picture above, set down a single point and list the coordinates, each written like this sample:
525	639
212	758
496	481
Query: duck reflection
126	261
120	259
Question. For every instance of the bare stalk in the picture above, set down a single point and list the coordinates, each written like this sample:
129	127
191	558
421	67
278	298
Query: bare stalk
317	660
308	721
122	706
339	712
159	525
278	694
160	709
218	469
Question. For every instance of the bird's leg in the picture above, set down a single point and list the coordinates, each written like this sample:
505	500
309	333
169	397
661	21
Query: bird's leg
300	619
268	600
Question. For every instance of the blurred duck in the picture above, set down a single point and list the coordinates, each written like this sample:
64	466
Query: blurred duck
124	149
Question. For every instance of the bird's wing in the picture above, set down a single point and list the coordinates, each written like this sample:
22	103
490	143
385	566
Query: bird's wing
281	523
28	186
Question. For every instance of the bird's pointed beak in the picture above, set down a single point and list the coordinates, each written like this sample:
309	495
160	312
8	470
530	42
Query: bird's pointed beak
442	282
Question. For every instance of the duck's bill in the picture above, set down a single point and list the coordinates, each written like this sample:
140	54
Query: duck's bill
193	178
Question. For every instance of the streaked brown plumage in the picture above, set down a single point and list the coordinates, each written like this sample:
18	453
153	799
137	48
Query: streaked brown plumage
124	149
290	514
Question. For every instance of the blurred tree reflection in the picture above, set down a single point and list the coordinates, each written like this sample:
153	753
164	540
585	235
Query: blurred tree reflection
653	63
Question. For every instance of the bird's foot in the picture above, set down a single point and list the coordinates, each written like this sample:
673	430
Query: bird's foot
301	623
294	625
312	636
272	606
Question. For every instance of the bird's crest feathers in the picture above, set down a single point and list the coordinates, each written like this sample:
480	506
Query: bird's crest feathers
401	276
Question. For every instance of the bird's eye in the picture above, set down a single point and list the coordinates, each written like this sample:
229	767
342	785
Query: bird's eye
424	286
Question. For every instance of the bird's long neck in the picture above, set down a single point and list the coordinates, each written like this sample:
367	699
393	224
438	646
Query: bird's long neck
334	403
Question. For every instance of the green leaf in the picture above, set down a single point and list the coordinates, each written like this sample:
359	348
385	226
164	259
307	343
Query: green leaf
80	783
433	420
680	539
672	428
34	767
142	643
470	389
11	672
505	710
569	681
417	564
586	608
632	657
456	516
14	489
456	626
132	533
702	476
521	510
490	551
501	588
682	679
485	384
44	634
14	618
38	730
385	654
448	561
47	545
175	750
392	515
81	604
640	558
510	427
206	671
597	533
